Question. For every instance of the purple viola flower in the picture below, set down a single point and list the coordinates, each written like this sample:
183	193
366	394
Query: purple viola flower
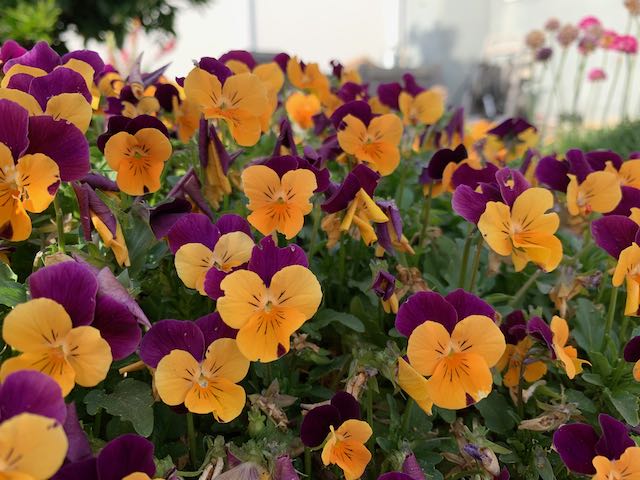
350	91
11	49
119	458
196	228
579	443
76	287
514	327
119	123
317	422
89	203
241	56
614	233
193	337
439	162
286	163
29	391
384	285
361	177
447	310
390	236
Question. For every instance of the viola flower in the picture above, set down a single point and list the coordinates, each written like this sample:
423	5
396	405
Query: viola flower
109	82
520	226
597	192
215	162
240	100
338	426
454	341
384	286
353	197
42	331
518	365
606	456
436	178
306	76
632	354
509	141
371	139
270	300
389	234
137	151
186	114
198	364
127	457
420	106
618	236
278	199
206	252
628	172
302	108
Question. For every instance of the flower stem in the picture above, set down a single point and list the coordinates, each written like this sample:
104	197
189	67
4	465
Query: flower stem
315	215
59	223
524	288
465	258
631	62
426	212
191	437
614	79
475	266
610	314
555	92
307	462
577	88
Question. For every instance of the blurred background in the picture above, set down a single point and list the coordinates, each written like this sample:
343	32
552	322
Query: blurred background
476	49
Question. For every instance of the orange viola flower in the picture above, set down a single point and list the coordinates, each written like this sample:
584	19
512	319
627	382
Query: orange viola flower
301	108
424	108
626	467
598	192
240	100
514	360
345	447
278	204
628	173
306	76
567	354
371	139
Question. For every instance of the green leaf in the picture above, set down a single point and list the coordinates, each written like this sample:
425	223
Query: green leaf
626	404
11	292
600	364
327	316
589	325
592	378
130	401
543	466
495	411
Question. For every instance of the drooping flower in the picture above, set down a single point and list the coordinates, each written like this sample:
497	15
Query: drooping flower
205	381
136	150
278	199
240	100
354	197
338	426
302	108
384	286
520	226
390	233
585	452
206	252
371	139
42	331
454	341
270	300
127	457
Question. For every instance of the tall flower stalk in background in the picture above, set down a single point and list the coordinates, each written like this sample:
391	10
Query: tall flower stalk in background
616	74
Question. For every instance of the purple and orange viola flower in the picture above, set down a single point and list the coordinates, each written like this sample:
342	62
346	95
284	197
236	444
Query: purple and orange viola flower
453	341
240	100
371	139
384	286
307	76
509	141
270	300
206	252
612	454
417	104
338	428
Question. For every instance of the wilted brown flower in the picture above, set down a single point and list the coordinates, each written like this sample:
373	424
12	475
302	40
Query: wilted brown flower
535	39
359	380
411	280
567	35
272	403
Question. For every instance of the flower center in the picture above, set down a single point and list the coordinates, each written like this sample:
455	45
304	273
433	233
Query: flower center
138	152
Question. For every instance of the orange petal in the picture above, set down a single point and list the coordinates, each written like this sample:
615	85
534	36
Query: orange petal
244	295
415	385
479	335
428	344
193	261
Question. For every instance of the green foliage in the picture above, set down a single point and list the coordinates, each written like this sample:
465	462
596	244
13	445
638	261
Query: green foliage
623	139
29	21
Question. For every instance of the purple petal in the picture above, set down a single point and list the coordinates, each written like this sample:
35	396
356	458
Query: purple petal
384	285
282	164
14	127
316	423
632	350
189	186
163	216
614	233
514	327
282	59
267	258
213	328
207	135
510	127
388	94
212	281
578	164
511	183
576	445
165	93
411	467
167	335
285	139
61	80
79	448
630	199
444	157
230	222
359	109
615	438
87	56
539	329
598	159
109	285
360	177
117	326
553	173
320	123
472	177
20	81
423	306
40	56
410	85
284	469
396	476
466	304
125	455
63	143
81	470
347	406
72	285
468	203
90	203
193	228
100	182
29	391
215	67
11	49
239	55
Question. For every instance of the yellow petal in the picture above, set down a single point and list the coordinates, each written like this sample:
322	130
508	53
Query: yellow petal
429	106
51	362
232	250
223	359
89	355
246	92
415	385
244	294
628	260
23	99
203	89
479	335
495	225
193	261
72	107
428	344
18	68
351	137
175	375
296	287
37	173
